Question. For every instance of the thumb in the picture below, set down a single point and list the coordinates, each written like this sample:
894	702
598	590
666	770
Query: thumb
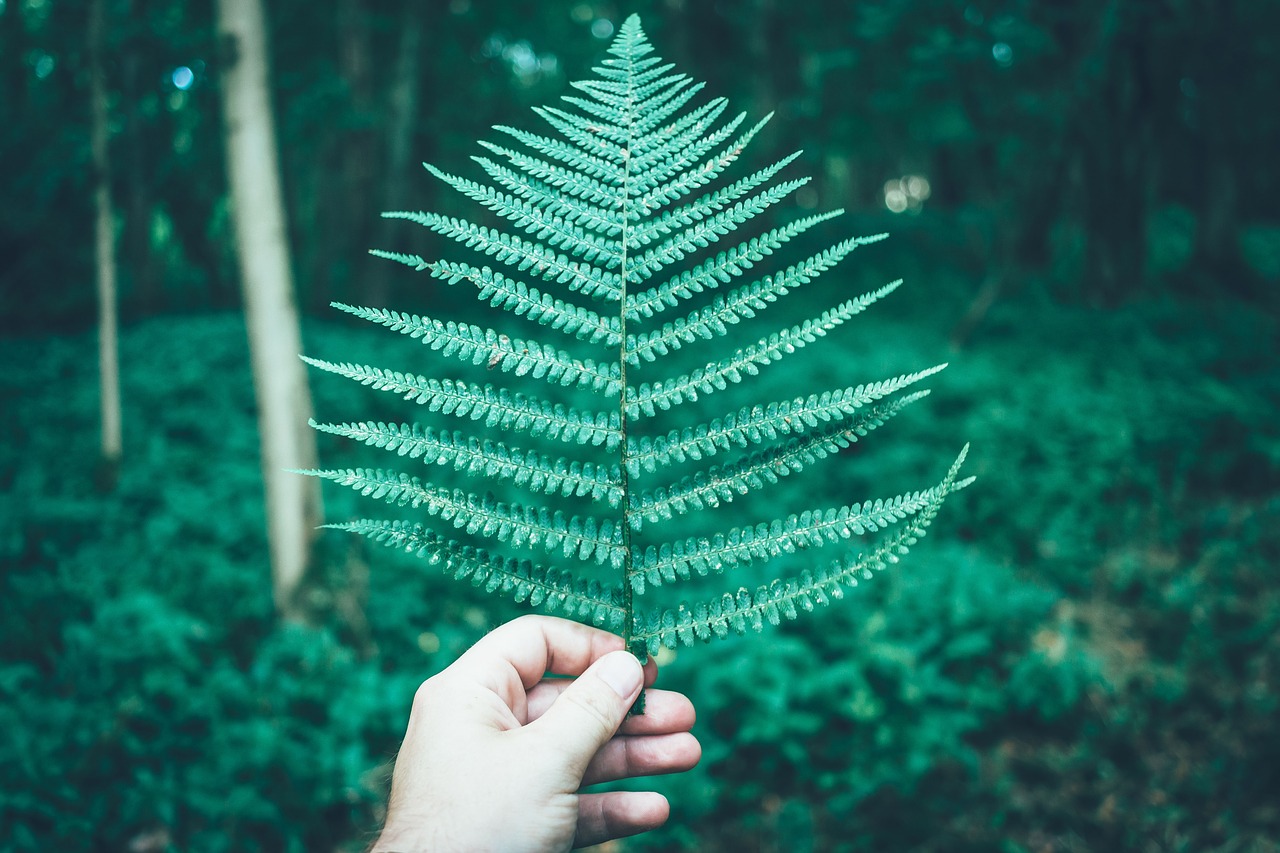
588	713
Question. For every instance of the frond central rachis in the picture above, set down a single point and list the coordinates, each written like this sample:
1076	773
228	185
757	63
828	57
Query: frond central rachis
624	355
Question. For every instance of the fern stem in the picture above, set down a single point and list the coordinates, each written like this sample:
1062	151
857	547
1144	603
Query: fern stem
628	606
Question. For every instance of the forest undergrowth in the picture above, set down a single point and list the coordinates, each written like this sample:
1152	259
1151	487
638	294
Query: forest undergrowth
1085	656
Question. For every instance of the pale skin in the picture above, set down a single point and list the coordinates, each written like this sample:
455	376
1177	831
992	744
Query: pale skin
496	753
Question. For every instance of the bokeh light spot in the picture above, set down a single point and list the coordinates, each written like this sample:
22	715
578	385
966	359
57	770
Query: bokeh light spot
907	193
44	66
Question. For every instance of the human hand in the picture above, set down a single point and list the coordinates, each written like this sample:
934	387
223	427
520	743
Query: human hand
495	753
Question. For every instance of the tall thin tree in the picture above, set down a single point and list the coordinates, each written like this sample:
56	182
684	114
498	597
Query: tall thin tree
402	114
275	339
104	247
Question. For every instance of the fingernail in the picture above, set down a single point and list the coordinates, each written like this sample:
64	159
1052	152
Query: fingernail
622	672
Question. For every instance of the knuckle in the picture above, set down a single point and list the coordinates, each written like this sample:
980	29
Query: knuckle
598	709
425	694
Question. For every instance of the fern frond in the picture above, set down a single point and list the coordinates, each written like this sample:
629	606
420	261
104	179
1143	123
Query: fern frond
721	484
786	598
717	376
741	545
497	408
706	232
631	44
743	303
673	221
640	90
491	460
640	84
542	221
535	527
757	424
519	253
478	346
638	73
698	177
580	129
627	203
603	220
719	270
682	142
554	589
525	301
573	182
656	109
608	171
518	298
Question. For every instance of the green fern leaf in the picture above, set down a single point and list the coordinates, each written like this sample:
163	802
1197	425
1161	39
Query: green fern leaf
672	221
607	170
554	201
519	298
721	269
684	142
719	485
686	182
584	537
758	424
747	361
520	254
499	409
625	209
543	221
808	530
485	346
705	232
787	598
741	304
488	459
556	590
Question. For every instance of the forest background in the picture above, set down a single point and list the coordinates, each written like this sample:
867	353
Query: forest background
1084	200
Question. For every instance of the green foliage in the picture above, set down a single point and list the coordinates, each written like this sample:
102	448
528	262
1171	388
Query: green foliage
1130	456
876	713
609	213
150	696
1092	665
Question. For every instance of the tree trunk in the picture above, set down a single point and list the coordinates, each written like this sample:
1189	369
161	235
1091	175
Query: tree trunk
1220	202
275	340
402	110
105	251
139	261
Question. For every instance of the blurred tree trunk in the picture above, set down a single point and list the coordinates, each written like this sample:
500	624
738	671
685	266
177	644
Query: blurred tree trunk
13	42
359	168
402	116
105	249
342	206
136	239
1217	240
1116	174
676	33
275	341
761	45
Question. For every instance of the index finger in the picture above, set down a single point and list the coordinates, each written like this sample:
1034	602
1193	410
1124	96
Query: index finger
537	645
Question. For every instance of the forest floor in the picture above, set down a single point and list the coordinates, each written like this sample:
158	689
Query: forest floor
1084	655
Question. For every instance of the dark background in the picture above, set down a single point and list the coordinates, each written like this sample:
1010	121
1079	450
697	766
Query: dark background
1083	657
